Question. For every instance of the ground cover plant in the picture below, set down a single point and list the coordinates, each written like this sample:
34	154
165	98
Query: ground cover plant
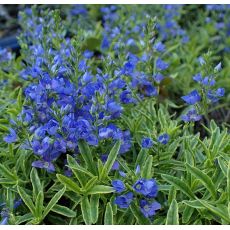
116	114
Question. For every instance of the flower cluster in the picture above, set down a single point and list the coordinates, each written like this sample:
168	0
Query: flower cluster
143	189
170	28
69	99
207	93
217	17
147	142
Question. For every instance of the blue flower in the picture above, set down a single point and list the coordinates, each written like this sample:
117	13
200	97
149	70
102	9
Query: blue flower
147	187
105	133
114	109
88	54
52	127
118	185
191	115
158	77
105	43
214	96
192	98
82	66
4	221
197	77
137	170
11	137
160	47
201	60
149	89
126	97
17	203
123	174
124	201
163	139
44	165
41	148
161	65
146	143
149	209
87	77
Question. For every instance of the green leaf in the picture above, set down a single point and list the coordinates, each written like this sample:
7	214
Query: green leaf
19	98
172	215
39	204
70	185
204	178
228	181
141	158
110	160
229	208
222	165
24	218
172	194
217	211
100	189
182	186
147	168
138	215
53	201
72	163
6	181
193	203
64	211
90	184
108	218
187	213
94	206
7	173
26	199
87	156
35	180
85	209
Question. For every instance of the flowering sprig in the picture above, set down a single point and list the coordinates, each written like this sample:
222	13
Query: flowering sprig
206	93
143	191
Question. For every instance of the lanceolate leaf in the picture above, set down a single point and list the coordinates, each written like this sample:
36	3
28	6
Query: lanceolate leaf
222	165
70	184
87	156
182	186
172	215
217	211
228	182
74	165
108	218
85	208
100	189
53	201
39	204
110	160
94	207
64	211
90	184
35	180
186	214
204	178
27	200
4	171
146	171
24	218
